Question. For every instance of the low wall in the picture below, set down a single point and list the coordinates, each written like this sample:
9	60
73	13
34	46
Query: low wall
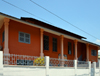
97	72
23	71
61	72
82	72
10	70
1	63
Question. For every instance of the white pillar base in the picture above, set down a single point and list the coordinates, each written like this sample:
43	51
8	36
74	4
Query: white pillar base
47	65
1	63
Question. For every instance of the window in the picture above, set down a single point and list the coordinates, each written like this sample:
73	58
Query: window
69	47
46	42
74	49
3	37
55	44
93	52
24	37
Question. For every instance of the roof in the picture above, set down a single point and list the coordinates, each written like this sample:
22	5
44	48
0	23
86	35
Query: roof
48	26
43	24
40	23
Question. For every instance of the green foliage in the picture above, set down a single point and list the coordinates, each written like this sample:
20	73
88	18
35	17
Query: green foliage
39	61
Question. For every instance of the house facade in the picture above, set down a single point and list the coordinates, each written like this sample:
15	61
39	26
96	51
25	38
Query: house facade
27	36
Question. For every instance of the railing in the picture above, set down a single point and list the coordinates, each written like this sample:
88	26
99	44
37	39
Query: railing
13	59
69	63
59	62
82	64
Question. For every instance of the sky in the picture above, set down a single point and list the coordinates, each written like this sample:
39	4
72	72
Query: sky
84	14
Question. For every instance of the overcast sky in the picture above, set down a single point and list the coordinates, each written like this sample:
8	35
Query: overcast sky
85	14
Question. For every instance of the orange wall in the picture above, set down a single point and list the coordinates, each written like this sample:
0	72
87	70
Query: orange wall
50	52
69	56
16	47
55	54
1	32
81	50
93	58
33	49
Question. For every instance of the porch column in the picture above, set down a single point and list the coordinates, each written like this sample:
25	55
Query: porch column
62	47
41	40
6	32
87	52
75	41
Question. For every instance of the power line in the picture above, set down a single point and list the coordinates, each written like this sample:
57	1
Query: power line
49	12
63	19
25	11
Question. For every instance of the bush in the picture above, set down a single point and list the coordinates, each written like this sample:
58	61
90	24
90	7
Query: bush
39	61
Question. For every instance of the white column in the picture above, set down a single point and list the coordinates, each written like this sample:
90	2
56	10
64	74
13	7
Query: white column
75	66
99	67
89	62
6	36
62	50
47	65
94	67
87	52
41	40
1	63
75	41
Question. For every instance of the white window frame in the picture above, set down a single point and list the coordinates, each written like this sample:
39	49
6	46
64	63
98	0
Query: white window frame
24	38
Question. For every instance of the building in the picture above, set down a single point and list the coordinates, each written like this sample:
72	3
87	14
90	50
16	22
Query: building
28	36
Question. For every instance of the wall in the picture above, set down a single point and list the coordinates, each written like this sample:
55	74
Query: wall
23	71
97	71
18	70
16	47
69	56
1	32
38	71
50	52
93	58
55	54
61	72
81	50
1	63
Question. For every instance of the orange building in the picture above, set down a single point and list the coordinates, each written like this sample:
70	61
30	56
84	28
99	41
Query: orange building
28	36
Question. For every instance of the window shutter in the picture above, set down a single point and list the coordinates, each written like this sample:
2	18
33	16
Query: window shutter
27	40
27	36
3	36
21	39
95	53
46	42
55	44
69	47
21	34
